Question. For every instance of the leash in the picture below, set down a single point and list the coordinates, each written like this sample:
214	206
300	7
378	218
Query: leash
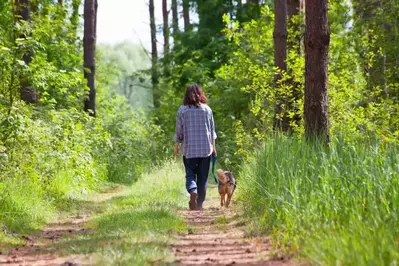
213	168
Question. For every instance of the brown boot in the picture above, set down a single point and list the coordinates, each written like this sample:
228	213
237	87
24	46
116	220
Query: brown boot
192	204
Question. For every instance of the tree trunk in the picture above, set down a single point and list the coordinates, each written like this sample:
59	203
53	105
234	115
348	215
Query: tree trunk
186	15
317	40
165	16
60	3
175	18
89	49
280	56
22	12
154	55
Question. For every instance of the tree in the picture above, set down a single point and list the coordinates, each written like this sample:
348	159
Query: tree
317	40
154	54
22	14
165	26
280	56
89	49
186	15
175	18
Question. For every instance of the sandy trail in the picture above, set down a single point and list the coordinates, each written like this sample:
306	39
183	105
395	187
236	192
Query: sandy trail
216	237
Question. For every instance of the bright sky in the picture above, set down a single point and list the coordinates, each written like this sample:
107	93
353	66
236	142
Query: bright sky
120	20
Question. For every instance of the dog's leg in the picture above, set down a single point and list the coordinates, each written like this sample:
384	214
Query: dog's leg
228	200
221	200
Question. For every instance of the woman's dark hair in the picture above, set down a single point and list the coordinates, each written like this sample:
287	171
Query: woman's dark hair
194	95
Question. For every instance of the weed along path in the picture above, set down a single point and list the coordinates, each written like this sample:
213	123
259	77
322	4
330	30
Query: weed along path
216	236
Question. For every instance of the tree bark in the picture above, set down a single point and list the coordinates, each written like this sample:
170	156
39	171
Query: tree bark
186	15
89	49
154	55
280	56
165	16
175	18
317	40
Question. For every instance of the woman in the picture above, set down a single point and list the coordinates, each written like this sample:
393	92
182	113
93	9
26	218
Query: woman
195	129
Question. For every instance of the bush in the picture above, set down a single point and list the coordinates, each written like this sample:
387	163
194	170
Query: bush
45	156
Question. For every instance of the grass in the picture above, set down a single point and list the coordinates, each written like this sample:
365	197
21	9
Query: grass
135	228
336	206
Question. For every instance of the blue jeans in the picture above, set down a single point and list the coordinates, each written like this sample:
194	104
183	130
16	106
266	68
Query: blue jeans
197	171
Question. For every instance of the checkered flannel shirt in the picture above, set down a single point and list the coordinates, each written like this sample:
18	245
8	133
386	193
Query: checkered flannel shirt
195	128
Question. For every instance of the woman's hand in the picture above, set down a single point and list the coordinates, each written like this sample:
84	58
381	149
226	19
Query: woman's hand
214	153
176	152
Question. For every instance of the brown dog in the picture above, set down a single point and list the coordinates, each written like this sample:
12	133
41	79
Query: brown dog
227	185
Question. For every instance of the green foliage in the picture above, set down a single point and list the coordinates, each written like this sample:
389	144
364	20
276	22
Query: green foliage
52	151
130	62
43	160
336	205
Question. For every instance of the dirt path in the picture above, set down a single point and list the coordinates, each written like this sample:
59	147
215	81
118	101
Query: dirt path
216	237
40	248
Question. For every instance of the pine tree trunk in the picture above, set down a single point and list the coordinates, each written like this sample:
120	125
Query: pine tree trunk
186	15
165	16
175	18
280	56
89	50
317	40
154	55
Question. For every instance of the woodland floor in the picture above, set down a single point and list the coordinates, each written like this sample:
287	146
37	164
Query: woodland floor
215	236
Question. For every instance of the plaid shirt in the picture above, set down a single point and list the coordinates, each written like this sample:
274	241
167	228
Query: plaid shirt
196	130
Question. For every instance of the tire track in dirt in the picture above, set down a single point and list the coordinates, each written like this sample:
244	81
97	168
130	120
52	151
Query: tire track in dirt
216	238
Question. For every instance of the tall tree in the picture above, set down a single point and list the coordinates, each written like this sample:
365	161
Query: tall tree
165	15
154	55
280	57
89	50
22	13
317	40
175	18
186	15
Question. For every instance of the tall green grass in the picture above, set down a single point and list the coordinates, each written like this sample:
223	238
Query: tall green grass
335	206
